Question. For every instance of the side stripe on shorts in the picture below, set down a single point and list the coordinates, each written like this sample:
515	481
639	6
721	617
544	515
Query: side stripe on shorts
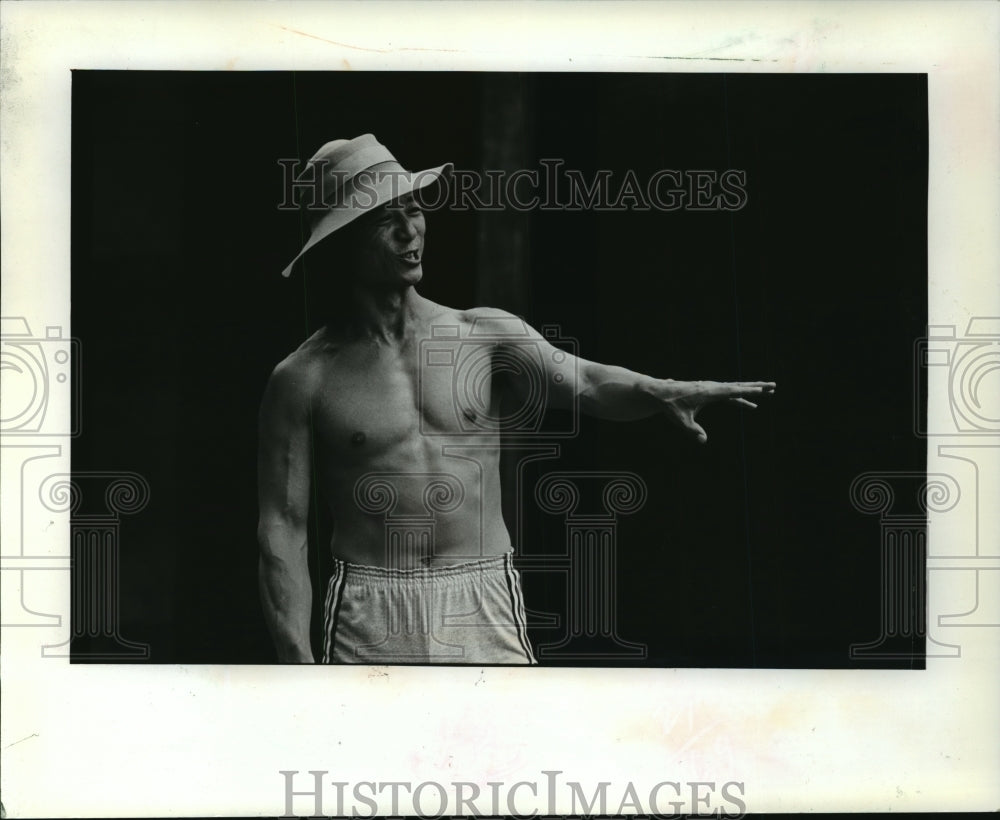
334	592
517	607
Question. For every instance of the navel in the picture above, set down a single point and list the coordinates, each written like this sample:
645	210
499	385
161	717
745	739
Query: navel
358	439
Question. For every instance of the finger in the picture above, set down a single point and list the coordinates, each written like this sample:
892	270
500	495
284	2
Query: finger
748	389
744	402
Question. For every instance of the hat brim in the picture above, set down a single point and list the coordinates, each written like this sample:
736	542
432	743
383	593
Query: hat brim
378	192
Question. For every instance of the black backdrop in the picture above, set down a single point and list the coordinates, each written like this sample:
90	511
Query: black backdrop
748	551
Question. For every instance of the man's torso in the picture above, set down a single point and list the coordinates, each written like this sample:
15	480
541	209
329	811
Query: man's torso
405	443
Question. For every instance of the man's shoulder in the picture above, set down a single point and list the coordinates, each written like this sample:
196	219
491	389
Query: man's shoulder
475	321
295	375
486	314
441	319
490	321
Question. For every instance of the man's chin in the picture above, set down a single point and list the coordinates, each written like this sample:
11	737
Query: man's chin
396	277
413	275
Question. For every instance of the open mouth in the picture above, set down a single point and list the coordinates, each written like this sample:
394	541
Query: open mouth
410	256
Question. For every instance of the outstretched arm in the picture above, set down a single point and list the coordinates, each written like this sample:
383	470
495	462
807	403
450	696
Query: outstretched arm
616	393
283	465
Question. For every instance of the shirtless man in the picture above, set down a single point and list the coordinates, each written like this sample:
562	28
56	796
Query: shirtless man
422	556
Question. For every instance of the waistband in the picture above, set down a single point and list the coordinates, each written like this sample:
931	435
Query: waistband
452	572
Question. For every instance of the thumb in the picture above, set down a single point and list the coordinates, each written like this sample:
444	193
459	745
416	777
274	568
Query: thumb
696	430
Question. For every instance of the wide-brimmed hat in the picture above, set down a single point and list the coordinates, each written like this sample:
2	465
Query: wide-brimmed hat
353	177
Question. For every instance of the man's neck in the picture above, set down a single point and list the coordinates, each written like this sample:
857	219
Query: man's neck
384	315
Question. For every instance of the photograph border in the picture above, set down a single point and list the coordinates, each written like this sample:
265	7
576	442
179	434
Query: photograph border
136	740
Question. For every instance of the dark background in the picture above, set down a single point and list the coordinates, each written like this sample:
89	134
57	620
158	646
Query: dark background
748	551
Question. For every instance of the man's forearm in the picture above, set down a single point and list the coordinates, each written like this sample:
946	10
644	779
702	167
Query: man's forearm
611	392
286	595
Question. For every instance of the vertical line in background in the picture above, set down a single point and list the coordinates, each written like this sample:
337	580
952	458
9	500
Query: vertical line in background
312	528
739	377
503	237
302	234
503	240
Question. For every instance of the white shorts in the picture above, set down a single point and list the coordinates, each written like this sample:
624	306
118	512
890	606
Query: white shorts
469	613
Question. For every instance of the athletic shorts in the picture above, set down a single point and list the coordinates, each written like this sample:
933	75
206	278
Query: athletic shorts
470	613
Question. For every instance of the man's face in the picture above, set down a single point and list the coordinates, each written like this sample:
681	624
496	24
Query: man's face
391	244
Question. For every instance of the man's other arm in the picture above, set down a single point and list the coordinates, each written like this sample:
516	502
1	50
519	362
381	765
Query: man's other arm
283	469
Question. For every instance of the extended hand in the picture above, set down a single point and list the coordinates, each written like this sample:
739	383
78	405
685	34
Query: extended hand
682	401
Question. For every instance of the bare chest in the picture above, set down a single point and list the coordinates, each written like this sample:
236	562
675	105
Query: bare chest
376	401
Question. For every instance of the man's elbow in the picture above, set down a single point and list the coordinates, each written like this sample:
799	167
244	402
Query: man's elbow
280	535
586	389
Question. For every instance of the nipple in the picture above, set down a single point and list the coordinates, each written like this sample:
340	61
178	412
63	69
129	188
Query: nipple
358	439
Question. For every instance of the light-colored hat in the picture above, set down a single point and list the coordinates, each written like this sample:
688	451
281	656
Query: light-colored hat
355	176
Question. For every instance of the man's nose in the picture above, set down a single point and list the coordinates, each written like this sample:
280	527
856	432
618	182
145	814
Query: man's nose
406	228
